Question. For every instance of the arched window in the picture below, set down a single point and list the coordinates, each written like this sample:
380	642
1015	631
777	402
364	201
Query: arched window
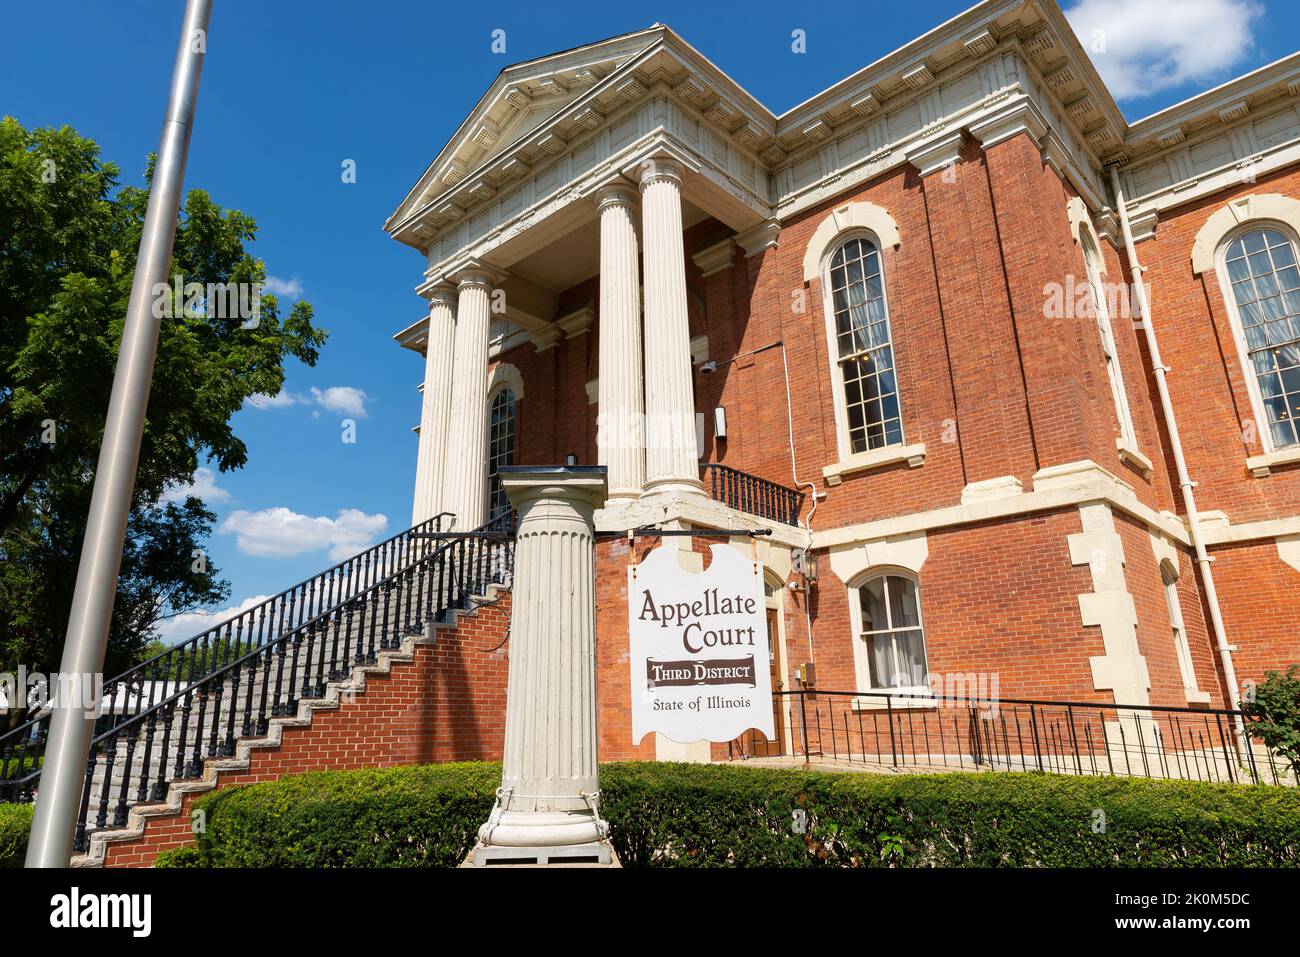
863	346
890	651
1169	578
1259	265
501	449
1101	310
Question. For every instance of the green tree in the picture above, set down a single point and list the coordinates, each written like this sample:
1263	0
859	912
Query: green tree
68	241
1273	713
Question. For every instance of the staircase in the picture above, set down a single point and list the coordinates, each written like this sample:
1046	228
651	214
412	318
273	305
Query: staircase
238	684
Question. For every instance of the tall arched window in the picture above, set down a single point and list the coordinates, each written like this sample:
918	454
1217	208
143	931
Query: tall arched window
501	449
864	346
890	652
1169	578
1101	311
1260	266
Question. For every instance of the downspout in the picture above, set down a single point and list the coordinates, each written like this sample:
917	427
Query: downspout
1176	444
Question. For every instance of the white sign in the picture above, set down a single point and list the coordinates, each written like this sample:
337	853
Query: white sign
699	647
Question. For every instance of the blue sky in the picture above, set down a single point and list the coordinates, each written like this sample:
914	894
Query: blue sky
292	88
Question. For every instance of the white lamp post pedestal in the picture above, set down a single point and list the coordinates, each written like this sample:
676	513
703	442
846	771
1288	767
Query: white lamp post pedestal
546	811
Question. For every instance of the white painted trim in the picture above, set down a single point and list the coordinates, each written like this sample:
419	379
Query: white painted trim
1244	219
862	215
1261	465
504	374
1080	222
1211	238
913	455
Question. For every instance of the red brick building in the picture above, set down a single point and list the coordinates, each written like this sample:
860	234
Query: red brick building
907	306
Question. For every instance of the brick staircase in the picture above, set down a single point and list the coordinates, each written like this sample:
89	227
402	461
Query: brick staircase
219	708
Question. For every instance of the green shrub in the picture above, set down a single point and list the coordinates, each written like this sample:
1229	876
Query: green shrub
15	825
710	816
421	816
683	815
185	856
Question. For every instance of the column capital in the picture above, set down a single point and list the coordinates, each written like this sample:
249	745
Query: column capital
617	193
579	484
659	169
476	273
443	294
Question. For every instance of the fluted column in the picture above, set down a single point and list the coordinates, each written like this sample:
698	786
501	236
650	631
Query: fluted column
549	772
672	460
464	484
435	411
619	437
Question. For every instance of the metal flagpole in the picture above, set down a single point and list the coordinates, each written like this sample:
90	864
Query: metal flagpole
66	754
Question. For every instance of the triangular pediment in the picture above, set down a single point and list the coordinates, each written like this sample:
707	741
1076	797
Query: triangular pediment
523	98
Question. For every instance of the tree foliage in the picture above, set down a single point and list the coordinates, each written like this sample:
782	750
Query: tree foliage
1273	712
68	242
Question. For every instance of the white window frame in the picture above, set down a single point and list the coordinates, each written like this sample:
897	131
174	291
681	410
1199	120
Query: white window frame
1182	649
861	659
1127	439
844	441
1256	397
514	420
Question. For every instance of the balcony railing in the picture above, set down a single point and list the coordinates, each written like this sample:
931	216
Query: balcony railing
749	493
936	733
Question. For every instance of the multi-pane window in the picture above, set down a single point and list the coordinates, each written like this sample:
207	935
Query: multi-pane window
1101	310
501	449
891	632
1261	267
864	347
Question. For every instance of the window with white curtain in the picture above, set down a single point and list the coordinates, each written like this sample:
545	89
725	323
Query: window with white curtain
1101	310
501	449
1259	266
890	652
864	346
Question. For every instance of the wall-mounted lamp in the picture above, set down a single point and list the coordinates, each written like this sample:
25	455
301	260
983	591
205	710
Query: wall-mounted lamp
805	563
570	459
720	422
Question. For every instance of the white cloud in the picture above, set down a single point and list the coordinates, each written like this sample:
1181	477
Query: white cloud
1141	47
282	287
203	485
342	399
280	400
193	623
282	533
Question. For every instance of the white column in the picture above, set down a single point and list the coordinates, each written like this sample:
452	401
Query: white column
672	460
435	411
619	438
464	483
549	774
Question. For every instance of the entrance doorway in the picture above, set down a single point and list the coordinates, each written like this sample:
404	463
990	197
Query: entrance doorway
754	744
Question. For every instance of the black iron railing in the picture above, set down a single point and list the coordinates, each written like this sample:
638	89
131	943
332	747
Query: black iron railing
749	493
933	732
236	678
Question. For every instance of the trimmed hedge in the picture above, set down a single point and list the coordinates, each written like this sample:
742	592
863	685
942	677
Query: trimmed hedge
683	815
15	826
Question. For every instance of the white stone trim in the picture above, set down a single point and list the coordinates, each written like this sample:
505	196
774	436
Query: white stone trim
1004	486
913	455
861	215
504	374
1122	670
1080	222
852	561
1256	206
1261	466
1288	549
